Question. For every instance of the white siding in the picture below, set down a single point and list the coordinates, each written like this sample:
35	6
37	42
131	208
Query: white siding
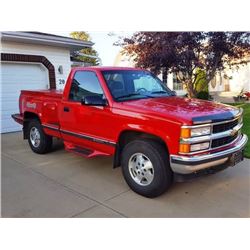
170	84
122	60
240	79
220	83
57	56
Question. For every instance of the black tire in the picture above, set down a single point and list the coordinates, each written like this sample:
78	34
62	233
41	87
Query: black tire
157	154
45	144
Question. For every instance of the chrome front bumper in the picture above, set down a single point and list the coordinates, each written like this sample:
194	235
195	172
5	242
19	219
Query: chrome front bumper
191	164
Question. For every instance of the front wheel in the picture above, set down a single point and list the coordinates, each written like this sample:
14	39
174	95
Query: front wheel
39	142
145	167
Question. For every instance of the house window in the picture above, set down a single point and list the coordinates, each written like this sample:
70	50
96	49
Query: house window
177	84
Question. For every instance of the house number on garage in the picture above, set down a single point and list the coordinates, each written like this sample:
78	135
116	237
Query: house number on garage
61	81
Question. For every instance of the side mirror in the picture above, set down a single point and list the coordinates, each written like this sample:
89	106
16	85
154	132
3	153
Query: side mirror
93	100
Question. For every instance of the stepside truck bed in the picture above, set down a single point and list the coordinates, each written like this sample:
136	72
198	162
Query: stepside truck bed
45	103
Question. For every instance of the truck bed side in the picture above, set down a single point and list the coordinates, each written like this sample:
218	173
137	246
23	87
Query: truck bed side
44	104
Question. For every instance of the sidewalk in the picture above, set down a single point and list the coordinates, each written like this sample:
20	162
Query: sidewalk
225	97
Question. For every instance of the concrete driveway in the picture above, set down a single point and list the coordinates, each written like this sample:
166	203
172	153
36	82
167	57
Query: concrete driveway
61	184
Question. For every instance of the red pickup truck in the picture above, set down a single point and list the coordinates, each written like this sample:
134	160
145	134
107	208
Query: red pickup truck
131	115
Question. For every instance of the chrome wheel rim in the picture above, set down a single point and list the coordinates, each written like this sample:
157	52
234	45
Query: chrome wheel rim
35	137
141	169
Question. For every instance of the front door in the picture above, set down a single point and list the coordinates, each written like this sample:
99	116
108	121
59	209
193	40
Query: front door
85	125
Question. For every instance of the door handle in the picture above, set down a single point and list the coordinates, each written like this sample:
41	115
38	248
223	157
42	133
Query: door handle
66	109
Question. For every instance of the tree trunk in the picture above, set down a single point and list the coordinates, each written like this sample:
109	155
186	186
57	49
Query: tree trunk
190	88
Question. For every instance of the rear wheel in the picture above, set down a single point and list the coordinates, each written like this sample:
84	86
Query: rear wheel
39	142
145	167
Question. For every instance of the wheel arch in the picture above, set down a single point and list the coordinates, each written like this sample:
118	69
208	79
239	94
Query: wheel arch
129	135
28	116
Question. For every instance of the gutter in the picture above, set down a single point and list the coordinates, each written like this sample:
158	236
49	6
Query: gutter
54	40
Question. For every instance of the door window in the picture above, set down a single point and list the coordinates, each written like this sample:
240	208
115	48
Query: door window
85	83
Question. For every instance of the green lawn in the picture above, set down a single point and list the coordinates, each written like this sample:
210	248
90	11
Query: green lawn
246	124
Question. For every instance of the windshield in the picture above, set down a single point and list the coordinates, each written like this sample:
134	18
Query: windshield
134	84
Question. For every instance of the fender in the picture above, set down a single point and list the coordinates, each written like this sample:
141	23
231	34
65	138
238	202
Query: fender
145	130
150	132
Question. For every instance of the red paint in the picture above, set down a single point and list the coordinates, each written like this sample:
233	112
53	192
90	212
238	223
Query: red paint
161	116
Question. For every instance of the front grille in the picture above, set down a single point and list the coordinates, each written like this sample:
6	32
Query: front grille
223	141
225	126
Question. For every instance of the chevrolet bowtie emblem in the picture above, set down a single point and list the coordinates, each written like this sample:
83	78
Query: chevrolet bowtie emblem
233	132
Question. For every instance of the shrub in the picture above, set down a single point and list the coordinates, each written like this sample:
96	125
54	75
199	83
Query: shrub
203	95
201	86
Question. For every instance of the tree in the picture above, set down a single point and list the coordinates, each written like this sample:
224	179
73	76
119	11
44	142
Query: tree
84	36
186	53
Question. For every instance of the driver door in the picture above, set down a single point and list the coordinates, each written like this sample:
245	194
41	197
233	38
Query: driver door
82	124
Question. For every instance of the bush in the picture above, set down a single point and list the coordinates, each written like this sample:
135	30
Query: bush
201	86
204	95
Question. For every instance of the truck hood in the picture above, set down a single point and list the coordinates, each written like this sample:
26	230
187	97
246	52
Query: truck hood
190	111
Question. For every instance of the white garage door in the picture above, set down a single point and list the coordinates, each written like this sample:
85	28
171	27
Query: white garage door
16	77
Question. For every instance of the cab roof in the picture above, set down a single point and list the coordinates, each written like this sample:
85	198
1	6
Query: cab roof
104	68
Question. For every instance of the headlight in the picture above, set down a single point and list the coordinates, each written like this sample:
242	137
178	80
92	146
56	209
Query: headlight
200	131
193	132
199	146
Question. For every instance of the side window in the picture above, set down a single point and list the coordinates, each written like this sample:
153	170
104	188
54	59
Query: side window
85	83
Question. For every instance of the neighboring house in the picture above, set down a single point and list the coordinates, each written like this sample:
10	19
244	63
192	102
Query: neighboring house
232	80
229	82
33	60
123	60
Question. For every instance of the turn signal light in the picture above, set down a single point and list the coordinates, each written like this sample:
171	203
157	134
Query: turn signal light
184	148
185	132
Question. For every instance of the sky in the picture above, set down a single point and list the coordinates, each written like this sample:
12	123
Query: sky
103	43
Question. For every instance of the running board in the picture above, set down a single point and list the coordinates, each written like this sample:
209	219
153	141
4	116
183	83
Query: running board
84	152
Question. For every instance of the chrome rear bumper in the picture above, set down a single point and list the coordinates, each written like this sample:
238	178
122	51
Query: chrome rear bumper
191	164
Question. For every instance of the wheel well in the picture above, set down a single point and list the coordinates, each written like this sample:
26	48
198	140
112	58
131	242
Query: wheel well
28	116
128	136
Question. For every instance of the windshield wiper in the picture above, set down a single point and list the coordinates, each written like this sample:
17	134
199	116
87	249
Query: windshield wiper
128	95
159	92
